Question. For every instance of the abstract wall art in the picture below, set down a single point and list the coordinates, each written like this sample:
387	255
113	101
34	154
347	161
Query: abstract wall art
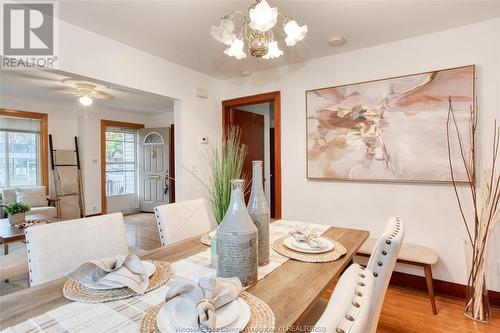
390	129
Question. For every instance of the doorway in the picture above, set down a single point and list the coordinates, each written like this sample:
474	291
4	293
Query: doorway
258	118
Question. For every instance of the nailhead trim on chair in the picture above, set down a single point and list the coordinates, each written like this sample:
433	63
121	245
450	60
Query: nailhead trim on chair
380	263
384	252
355	304
388	241
339	330
375	274
361	275
28	250
349	317
357	293
159	225
361	284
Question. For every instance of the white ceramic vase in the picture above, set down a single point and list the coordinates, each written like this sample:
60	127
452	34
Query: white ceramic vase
17	218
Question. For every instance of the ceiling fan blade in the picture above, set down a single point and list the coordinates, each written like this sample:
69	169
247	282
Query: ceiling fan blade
101	95
68	92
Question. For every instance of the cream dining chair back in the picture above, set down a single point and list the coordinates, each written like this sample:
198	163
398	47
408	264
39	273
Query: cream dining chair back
381	263
182	220
348	310
55	249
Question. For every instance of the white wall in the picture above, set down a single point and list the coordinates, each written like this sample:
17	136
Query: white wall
430	212
65	123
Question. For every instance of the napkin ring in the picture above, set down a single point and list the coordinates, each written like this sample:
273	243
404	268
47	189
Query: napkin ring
210	306
311	237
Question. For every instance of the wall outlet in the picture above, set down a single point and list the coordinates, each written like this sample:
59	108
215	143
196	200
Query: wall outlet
204	140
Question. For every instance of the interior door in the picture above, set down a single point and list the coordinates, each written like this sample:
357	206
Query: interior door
252	135
153	168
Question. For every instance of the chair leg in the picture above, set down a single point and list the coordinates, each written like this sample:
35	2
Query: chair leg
430	287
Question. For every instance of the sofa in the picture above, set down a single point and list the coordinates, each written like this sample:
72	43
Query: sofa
35	196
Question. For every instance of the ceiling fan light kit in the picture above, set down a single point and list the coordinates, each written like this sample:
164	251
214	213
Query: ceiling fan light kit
85	100
257	31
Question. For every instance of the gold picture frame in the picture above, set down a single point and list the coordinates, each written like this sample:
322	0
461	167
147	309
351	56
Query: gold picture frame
355	130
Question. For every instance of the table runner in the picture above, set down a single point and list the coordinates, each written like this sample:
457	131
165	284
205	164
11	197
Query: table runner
125	315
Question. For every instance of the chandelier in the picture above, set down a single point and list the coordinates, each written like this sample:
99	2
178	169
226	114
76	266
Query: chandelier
256	30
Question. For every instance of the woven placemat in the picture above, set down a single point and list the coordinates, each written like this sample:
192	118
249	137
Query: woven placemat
75	291
337	252
261	317
206	239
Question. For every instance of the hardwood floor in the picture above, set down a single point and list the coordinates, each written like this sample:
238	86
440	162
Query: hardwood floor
142	231
408	311
404	310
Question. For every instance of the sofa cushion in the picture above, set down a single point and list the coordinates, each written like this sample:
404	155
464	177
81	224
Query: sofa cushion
47	210
9	195
35	196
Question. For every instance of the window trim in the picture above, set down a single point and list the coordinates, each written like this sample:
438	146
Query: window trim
44	140
104	125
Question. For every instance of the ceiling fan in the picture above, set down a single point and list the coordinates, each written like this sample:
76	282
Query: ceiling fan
85	90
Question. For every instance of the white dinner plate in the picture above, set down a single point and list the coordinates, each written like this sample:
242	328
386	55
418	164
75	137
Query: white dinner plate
179	315
150	268
325	245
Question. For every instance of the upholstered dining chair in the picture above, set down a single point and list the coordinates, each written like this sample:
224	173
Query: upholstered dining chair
350	304
55	249
381	263
182	220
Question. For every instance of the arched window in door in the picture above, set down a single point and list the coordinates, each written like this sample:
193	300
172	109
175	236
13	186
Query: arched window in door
153	138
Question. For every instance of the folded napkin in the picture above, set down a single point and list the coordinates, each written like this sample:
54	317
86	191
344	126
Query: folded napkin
304	234
208	294
119	271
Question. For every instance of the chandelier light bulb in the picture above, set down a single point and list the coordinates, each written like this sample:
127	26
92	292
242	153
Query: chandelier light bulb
263	17
85	100
294	33
224	31
273	51
236	49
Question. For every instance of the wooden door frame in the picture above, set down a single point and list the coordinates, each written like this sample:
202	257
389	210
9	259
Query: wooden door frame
171	162
44	140
104	124
270	97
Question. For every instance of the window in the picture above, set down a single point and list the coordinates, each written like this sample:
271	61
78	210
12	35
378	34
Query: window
19	152
120	161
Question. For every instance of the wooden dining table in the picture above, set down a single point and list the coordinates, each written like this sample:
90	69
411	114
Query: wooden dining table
290	290
10	234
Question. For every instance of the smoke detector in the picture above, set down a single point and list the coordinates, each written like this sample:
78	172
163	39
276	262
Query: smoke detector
336	41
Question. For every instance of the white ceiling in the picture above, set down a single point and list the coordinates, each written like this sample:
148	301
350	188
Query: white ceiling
179	31
46	85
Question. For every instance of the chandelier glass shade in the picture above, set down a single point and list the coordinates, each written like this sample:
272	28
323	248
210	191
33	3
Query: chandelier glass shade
257	31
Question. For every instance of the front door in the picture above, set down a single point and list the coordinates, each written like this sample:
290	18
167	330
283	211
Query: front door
153	168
